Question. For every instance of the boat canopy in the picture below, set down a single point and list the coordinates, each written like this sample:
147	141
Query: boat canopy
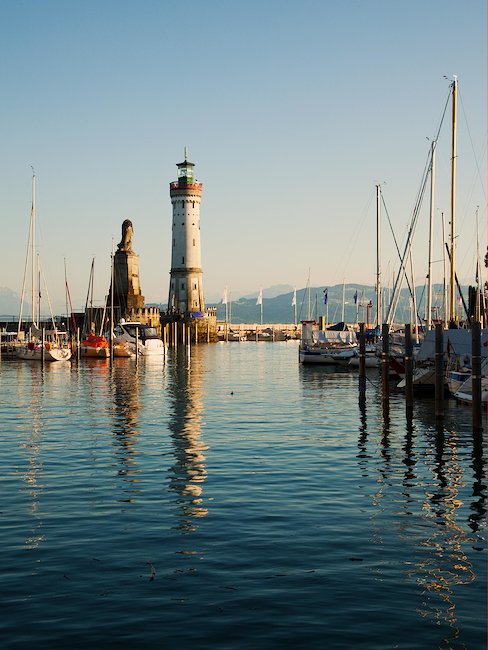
334	336
457	342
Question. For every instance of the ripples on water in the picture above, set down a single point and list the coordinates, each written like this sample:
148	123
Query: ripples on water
235	500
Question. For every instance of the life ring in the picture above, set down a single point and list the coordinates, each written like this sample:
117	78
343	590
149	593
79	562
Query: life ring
48	345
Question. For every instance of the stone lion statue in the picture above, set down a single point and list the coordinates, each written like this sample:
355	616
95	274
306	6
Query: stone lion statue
126	241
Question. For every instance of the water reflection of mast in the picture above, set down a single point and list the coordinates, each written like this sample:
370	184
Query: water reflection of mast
31	476
409	462
478	508
188	472
362	454
126	403
444	565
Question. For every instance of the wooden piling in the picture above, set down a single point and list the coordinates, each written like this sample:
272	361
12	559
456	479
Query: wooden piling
385	358
408	365
476	375
439	371
362	359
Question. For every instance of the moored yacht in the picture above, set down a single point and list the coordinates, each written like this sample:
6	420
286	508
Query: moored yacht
149	343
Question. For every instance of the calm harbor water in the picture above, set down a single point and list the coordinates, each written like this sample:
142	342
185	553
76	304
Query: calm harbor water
235	500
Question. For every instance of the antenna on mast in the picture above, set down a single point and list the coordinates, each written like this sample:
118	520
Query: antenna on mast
186	154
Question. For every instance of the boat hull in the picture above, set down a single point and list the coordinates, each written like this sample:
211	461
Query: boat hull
36	354
94	352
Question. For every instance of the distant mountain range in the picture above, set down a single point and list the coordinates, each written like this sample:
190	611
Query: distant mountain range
10	303
278	308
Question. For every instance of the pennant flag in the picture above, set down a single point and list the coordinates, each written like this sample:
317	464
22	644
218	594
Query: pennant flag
294	301
356	297
224	297
326	295
259	301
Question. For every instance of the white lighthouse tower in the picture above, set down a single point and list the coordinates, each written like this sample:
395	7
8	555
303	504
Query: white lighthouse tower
186	283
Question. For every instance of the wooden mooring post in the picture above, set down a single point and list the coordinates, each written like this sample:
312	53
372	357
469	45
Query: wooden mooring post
439	371
476	376
362	360
385	359
408	365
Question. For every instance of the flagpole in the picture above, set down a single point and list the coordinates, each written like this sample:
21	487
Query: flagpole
259	302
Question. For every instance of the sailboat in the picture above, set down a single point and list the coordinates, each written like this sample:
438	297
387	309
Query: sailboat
41	345
91	345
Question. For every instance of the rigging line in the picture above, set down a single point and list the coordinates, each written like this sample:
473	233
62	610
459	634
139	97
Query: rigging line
395	240
27	257
48	300
303	295
357	231
472	147
408	243
399	255
451	85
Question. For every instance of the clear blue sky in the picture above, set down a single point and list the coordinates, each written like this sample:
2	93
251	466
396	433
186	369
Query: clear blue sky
291	111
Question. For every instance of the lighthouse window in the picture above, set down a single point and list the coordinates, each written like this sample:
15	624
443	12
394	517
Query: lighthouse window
193	242
193	203
182	260
194	286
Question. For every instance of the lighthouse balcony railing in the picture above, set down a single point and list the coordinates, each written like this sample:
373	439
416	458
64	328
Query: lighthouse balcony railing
178	185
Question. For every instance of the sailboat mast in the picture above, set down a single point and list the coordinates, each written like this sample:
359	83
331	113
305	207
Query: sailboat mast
431	223
112	277
343	299
444	282
308	294
33	249
452	300
378	258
